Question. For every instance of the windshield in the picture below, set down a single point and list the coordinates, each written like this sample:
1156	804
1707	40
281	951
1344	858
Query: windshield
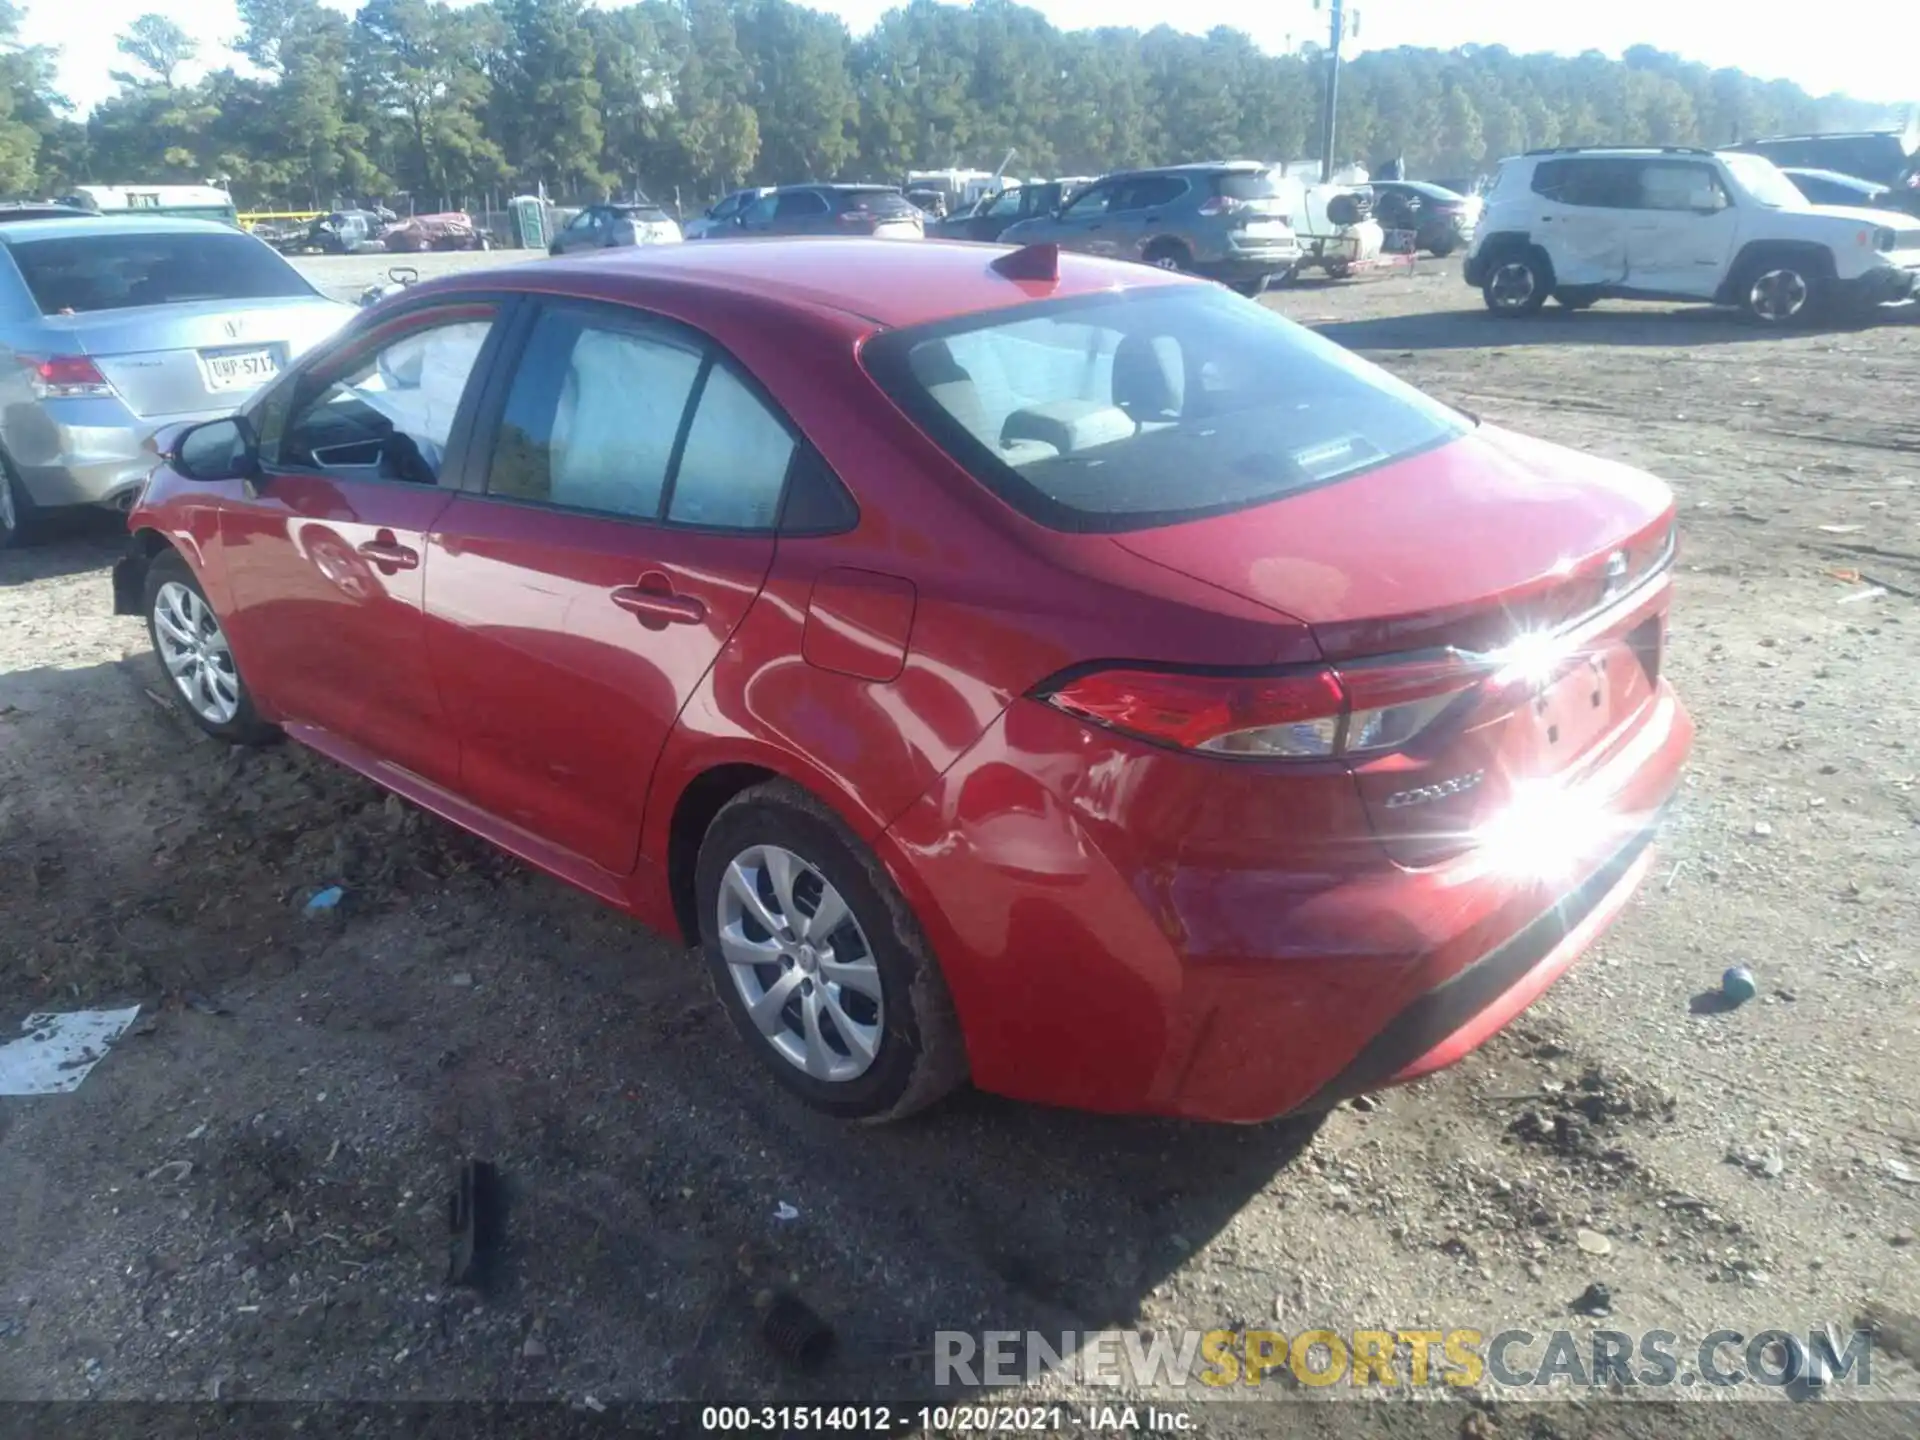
79	273
1764	182
874	202
1122	412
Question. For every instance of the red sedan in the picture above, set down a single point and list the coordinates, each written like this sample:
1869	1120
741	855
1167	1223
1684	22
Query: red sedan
1001	664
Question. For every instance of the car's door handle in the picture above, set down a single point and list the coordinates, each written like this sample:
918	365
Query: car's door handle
653	599
385	550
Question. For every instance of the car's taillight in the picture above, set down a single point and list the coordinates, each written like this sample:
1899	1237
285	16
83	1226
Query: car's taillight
1222	205
1314	714
65	377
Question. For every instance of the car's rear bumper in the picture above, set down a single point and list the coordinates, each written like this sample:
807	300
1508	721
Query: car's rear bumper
85	452
1250	969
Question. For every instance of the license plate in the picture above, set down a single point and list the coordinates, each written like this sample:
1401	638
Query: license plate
239	369
1267	230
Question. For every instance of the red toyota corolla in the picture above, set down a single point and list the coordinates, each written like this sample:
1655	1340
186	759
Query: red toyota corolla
1003	664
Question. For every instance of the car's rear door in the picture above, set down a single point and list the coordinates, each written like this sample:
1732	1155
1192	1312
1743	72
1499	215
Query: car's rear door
326	554
613	534
1584	208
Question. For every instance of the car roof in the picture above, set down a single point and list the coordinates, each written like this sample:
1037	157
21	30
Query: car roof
85	224
888	283
1425	187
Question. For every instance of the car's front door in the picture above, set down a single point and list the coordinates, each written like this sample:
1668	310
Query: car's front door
326	555
1681	237
1082	224
614	534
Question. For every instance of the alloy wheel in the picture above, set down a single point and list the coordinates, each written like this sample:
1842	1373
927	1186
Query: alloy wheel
1777	295
1512	285
801	964
194	649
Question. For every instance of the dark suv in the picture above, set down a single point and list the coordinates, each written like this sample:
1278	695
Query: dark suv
834	210
1225	220
1885	157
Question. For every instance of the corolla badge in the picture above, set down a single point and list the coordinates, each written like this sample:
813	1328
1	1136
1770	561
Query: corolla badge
1458	785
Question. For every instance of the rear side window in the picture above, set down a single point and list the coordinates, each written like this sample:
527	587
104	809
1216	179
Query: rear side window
1246	185
592	418
1148	191
78	274
1122	412
797	203
1606	183
646	422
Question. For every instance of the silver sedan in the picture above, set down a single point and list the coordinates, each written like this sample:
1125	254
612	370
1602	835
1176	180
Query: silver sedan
111	328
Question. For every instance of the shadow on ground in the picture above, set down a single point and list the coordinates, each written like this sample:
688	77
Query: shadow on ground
1479	330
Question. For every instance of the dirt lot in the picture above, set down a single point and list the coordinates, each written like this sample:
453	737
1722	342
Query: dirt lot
251	1203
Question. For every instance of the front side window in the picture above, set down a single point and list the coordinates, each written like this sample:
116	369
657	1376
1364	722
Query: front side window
1672	186
1090	202
760	212
384	412
1150	407
1005	205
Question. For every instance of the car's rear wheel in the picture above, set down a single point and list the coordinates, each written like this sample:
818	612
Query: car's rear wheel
1170	255
820	963
1517	284
193	651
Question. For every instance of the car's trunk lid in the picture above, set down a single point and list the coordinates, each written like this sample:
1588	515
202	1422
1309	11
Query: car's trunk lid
183	359
1515	561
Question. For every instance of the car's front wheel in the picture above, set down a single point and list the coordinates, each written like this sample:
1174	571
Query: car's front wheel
1779	293
817	958
193	651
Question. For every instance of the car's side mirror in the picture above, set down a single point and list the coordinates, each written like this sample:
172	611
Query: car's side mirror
216	450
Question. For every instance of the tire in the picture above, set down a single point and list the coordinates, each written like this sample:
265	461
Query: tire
210	689
897	1052
16	508
1440	249
1780	293
1339	270
1170	255
1518	283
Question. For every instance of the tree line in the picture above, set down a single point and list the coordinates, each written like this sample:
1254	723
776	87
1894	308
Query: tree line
448	104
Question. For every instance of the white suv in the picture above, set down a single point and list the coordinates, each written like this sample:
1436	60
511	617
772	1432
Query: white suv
1582	225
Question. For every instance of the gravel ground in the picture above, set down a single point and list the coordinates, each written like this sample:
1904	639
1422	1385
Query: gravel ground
251	1203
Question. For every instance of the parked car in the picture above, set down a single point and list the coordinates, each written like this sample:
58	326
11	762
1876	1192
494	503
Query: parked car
833	210
723	218
1224	221
1826	187
1724	227
606	227
111	328
347	232
1439	221
1001	664
989	217
1886	157
26	210
449	230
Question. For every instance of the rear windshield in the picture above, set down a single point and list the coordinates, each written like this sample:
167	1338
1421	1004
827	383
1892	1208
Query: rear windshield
1122	412
75	274
874	202
1246	185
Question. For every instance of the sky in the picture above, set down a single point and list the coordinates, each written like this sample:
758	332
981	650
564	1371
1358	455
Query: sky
1873	58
